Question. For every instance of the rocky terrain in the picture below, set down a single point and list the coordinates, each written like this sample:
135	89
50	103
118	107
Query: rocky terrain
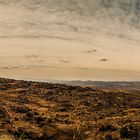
44	111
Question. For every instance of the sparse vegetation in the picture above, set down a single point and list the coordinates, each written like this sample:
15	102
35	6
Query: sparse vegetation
43	111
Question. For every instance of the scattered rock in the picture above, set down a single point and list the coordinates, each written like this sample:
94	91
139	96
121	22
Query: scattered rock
43	111
107	127
6	137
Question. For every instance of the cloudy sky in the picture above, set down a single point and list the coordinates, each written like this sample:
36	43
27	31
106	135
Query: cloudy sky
70	39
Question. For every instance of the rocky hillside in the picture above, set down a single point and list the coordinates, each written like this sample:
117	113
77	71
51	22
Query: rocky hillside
44	111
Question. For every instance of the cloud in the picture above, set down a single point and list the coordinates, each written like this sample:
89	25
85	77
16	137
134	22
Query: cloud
3	2
32	56
64	61
81	68
91	51
9	67
104	60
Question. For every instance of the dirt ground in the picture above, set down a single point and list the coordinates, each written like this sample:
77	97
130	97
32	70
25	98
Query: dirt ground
44	111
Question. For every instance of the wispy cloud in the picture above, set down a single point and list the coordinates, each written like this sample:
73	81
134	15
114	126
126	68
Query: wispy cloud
9	67
90	51
104	60
64	61
31	56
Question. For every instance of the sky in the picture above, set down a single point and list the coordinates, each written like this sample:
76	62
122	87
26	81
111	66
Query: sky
70	39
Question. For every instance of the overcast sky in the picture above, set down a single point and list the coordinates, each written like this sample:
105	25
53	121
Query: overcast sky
70	39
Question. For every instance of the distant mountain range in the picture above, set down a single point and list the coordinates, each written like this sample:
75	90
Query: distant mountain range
107	85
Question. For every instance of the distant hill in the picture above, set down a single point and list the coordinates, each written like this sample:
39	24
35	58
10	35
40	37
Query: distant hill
107	85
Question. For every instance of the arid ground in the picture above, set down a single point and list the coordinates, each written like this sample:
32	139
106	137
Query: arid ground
44	111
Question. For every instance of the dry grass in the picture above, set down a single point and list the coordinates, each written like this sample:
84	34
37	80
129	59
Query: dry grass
32	110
